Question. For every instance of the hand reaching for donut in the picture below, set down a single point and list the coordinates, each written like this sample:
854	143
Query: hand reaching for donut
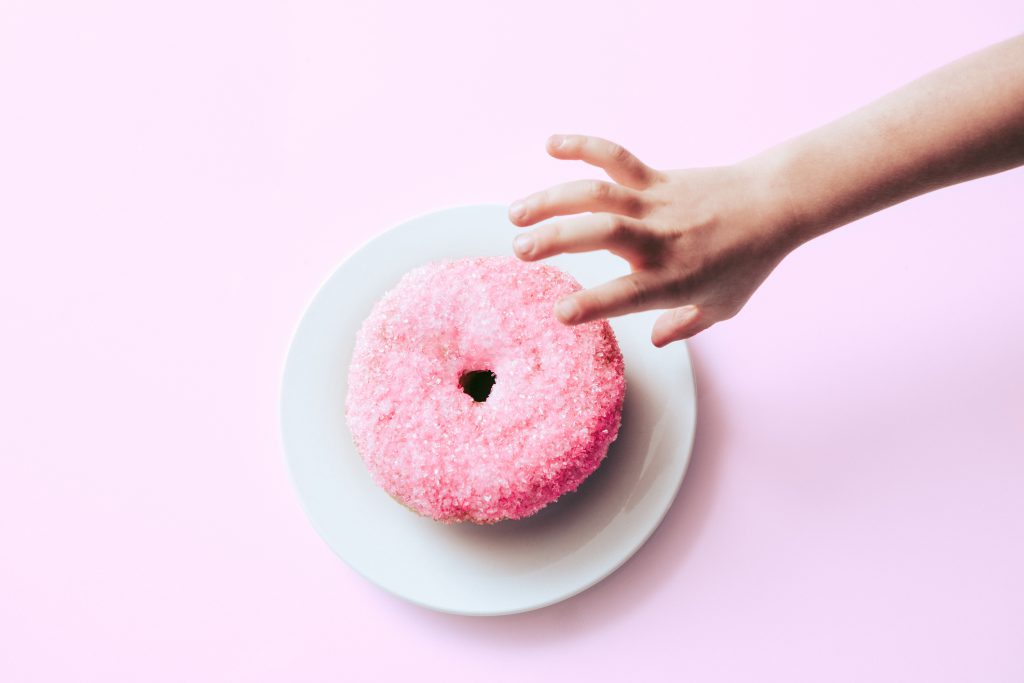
700	241
697	240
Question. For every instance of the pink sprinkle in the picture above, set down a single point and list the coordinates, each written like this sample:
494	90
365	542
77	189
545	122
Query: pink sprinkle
546	423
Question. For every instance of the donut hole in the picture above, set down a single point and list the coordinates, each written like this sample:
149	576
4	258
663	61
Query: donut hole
477	383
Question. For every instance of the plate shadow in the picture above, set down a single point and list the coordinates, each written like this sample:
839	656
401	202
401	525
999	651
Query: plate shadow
642	576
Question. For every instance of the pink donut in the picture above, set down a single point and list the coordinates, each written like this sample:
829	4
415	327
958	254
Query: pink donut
469	401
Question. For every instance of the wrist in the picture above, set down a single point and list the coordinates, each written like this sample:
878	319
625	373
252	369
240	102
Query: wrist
782	196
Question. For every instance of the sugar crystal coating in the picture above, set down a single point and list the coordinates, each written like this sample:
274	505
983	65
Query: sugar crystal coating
546	424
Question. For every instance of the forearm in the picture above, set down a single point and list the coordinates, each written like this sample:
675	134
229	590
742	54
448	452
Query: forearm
960	122
700	241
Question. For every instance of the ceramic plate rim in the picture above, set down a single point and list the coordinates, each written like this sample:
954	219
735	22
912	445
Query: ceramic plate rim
685	446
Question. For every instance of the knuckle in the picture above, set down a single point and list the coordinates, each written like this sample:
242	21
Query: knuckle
612	226
636	206
618	153
677	288
598	189
637	293
547	238
620	230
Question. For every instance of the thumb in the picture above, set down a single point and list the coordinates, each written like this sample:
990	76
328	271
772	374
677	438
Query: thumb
679	323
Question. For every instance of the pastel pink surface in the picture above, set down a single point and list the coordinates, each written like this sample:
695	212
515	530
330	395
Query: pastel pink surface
178	178
546	424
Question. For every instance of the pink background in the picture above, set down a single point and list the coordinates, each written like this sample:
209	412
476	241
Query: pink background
177	178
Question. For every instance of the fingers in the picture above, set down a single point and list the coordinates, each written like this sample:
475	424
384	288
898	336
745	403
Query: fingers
679	323
618	234
618	162
576	197
636	292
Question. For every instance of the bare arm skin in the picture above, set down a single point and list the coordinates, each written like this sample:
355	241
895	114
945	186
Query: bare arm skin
700	241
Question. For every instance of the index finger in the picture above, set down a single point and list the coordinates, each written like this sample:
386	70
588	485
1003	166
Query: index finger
617	161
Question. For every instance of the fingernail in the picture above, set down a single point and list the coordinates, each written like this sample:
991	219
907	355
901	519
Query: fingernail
523	244
567	310
517	210
686	313
557	141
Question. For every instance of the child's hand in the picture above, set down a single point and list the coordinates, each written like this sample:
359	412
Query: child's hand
699	241
702	240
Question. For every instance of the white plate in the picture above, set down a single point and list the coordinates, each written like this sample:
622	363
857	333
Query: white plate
513	566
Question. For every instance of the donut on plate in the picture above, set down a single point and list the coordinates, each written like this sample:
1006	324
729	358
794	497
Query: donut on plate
469	401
